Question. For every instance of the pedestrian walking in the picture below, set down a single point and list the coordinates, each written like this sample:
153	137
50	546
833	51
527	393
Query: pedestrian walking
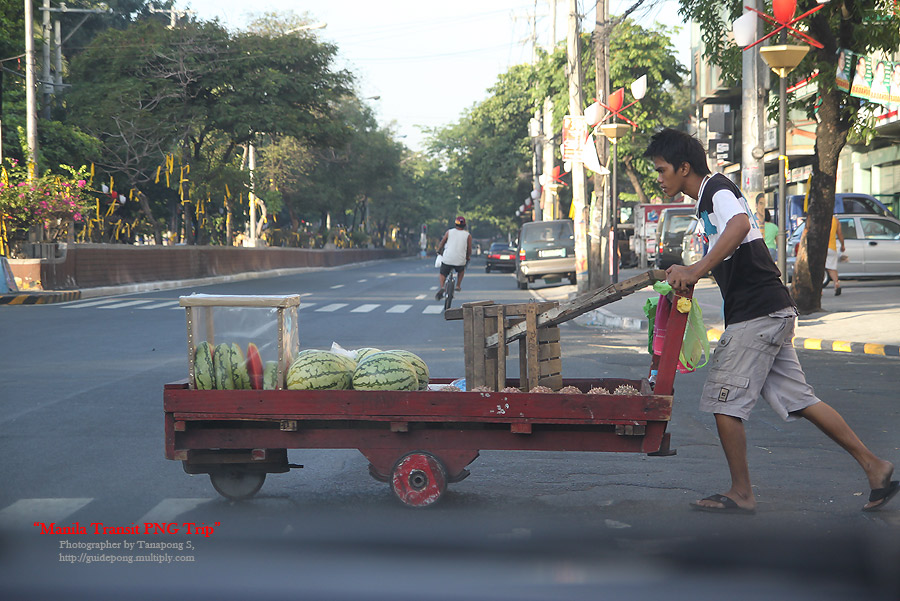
832	258
755	355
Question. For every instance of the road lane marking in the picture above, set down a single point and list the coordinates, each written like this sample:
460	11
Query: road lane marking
432	309
421	296
399	309
332	307
90	303
25	512
125	304
337	286
169	509
162	305
305	305
364	308
361	281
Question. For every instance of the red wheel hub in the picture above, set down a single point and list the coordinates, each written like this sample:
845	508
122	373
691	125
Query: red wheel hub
419	479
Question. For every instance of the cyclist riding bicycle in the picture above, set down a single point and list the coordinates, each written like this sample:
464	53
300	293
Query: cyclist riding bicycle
456	250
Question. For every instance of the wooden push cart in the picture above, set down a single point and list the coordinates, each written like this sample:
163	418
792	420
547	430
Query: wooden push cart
421	441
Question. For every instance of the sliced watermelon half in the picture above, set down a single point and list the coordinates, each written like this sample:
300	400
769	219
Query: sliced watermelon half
254	367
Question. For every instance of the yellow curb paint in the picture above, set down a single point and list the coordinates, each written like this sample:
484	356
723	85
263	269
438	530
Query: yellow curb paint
813	344
842	346
18	300
873	349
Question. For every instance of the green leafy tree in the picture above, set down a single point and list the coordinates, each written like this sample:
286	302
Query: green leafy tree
200	94
860	26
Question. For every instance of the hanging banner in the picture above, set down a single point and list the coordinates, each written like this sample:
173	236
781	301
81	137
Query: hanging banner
844	67
575	132
862	78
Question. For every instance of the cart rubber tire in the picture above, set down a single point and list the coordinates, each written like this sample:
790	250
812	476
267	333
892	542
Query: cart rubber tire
237	484
419	479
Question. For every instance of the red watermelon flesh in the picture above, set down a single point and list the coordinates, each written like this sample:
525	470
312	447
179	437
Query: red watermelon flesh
254	367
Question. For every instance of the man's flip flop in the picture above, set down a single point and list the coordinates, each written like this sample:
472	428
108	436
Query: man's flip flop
883	494
728	506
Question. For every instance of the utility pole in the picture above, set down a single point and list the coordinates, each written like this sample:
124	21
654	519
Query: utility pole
600	213
46	86
251	196
174	14
753	102
30	94
548	197
576	104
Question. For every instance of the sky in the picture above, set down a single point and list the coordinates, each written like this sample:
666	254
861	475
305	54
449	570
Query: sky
421	64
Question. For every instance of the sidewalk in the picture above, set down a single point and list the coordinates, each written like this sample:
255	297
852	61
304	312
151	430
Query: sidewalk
864	319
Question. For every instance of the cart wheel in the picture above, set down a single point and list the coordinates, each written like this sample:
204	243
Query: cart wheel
419	479
237	484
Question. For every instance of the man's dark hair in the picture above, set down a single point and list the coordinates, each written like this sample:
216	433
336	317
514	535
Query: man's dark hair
678	147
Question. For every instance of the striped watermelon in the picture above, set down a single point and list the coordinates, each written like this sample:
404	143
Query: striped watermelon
222	366
270	376
385	371
239	374
420	366
364	352
204	372
320	370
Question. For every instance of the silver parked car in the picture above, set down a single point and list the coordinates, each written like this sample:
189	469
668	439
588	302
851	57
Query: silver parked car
691	244
871	243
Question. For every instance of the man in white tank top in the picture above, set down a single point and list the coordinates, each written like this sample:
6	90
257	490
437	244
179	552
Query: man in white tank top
456	250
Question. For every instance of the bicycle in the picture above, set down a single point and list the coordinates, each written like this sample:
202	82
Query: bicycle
449	288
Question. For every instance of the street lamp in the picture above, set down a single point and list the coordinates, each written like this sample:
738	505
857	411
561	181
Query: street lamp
782	59
613	132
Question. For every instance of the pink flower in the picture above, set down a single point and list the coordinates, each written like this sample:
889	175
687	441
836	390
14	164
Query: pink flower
77	216
81	183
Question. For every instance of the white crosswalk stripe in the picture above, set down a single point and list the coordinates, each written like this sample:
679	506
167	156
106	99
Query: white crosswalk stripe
399	309
125	304
364	309
162	305
169	509
23	514
153	304
93	303
332	307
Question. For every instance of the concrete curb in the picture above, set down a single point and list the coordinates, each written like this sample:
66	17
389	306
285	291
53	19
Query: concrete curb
603	318
39	298
62	296
837	346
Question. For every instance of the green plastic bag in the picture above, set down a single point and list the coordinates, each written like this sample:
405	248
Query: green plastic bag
650	312
696	343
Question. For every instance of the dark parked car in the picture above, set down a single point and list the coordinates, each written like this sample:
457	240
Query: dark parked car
871	244
546	250
500	256
673	225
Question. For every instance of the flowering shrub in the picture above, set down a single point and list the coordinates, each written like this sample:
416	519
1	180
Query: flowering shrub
49	200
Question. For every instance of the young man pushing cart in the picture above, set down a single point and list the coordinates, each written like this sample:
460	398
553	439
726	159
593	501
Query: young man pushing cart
755	355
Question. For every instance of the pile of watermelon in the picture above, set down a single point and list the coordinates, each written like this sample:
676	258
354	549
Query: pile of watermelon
224	367
366	369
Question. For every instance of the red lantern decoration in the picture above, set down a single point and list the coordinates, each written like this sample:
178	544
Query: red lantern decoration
616	99
784	10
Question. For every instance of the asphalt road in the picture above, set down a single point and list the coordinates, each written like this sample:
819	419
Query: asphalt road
82	441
